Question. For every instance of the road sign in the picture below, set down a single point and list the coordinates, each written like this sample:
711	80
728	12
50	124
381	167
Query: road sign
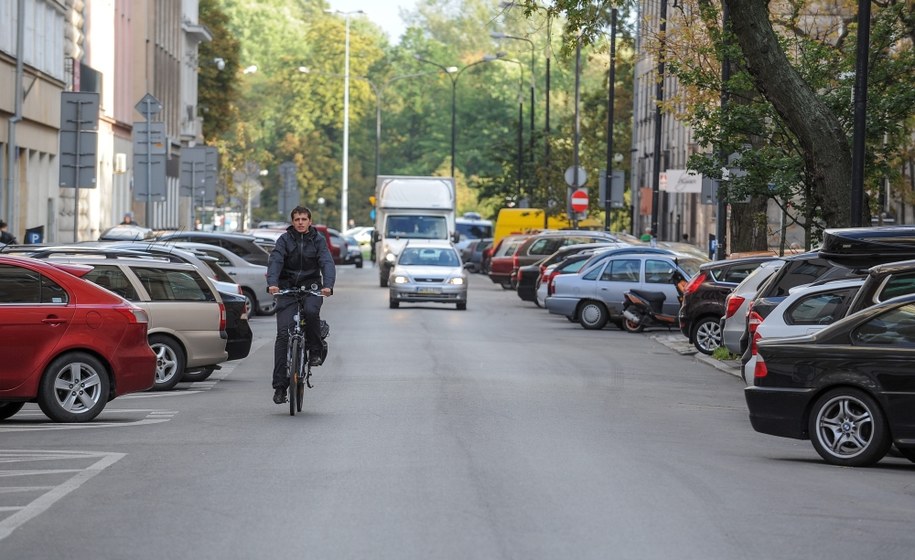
78	139
149	106
580	200
570	177
617	187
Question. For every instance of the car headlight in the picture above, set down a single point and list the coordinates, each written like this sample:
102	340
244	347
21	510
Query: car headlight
459	281
401	279
390	258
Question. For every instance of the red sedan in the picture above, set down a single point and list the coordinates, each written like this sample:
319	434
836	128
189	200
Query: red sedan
66	343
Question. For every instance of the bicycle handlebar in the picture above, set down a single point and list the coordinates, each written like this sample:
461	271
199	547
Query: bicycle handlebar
299	291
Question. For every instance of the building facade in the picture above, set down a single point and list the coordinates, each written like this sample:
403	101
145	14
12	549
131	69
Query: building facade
122	50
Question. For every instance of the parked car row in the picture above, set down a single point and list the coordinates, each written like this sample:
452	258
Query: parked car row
827	343
192	316
826	337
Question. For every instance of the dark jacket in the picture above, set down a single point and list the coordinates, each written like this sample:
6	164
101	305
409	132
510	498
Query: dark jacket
300	259
8	238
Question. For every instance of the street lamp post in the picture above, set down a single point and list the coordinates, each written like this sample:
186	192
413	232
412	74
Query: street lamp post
498	35
344	194
520	122
453	74
379	93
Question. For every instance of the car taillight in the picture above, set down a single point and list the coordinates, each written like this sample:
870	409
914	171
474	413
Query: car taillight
732	304
694	284
222	316
754	319
760	370
133	314
754	340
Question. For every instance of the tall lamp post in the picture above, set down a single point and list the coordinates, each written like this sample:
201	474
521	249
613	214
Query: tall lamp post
520	121
498	35
344	194
453	73
379	93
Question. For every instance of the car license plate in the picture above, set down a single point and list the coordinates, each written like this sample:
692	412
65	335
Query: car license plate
428	290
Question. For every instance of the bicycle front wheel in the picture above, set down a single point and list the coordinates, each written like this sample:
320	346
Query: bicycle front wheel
294	364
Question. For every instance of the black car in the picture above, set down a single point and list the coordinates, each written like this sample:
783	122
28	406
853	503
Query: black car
245	246
238	331
703	299
849	388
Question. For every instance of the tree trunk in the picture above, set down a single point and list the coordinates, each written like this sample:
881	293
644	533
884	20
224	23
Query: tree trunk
827	154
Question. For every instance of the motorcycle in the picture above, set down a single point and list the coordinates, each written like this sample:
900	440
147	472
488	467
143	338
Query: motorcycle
642	309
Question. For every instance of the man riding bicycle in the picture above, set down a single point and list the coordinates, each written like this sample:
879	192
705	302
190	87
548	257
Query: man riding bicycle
299	258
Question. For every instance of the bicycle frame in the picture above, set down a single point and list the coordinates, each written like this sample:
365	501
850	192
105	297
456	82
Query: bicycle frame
298	367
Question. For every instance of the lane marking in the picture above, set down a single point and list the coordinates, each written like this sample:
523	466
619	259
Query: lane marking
44	501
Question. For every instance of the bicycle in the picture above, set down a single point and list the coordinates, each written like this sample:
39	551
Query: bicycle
296	358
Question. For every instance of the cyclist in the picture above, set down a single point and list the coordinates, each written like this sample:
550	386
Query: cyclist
299	258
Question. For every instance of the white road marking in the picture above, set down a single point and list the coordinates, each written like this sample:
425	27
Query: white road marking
48	494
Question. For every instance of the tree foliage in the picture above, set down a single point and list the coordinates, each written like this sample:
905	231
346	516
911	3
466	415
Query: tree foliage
789	111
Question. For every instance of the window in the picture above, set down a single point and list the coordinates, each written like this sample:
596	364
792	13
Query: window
659	272
823	308
895	327
544	246
417	227
622	270
897	285
174	285
594	273
737	273
20	285
112	278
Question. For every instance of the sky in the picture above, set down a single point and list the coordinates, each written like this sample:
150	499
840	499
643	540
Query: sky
384	13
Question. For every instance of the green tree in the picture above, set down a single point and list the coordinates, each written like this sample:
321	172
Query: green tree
216	83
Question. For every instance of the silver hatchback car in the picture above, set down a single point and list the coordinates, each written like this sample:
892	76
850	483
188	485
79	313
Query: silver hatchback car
428	271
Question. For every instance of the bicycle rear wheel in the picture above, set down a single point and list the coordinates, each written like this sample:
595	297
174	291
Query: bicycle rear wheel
295	373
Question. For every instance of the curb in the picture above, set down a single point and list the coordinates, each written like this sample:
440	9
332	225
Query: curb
681	345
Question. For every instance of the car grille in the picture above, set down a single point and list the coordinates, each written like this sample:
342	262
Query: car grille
427	280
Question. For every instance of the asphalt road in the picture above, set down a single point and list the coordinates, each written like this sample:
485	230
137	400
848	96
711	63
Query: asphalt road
496	432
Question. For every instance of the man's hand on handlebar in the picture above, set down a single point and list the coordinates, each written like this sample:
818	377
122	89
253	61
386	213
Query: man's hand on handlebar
323	292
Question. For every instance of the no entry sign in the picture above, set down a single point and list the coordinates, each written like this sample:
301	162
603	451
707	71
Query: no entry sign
580	200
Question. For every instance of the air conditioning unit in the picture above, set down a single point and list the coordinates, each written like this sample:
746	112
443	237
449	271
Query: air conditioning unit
120	163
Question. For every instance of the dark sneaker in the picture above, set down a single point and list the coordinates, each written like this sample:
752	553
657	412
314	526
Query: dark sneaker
279	395
315	361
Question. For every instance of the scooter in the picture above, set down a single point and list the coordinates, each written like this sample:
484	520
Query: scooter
645	309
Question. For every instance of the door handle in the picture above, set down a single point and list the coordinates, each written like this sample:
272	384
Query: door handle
53	321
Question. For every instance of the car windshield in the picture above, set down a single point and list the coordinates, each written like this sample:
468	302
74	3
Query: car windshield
417	227
473	231
689	265
429	257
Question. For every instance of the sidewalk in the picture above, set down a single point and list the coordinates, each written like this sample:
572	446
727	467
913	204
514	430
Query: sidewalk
681	345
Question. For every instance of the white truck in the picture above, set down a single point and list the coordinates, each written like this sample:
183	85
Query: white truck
408	207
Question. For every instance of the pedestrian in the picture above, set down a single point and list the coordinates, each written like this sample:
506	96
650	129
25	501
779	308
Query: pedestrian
686	238
128	220
6	238
646	237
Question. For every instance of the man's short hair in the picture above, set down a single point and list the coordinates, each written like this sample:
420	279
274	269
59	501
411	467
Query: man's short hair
2	224
299	210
